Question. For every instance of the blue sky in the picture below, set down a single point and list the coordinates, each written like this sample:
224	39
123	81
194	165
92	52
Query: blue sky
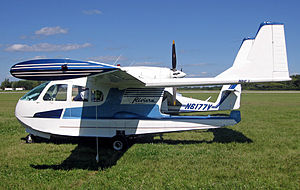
207	33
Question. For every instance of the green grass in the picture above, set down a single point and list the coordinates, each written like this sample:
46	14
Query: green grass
261	152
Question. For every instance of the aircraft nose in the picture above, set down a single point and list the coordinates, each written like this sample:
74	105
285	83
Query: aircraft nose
17	110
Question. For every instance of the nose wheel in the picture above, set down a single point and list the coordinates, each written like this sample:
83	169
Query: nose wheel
119	143
30	138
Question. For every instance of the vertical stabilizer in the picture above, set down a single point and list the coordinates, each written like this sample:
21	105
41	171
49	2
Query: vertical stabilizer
262	58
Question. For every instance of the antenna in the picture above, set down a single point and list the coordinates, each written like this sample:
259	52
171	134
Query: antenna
132	63
117	59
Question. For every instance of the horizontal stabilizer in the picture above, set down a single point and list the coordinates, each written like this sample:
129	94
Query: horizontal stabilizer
58	69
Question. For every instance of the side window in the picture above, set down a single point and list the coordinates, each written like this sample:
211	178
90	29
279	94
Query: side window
57	92
97	96
80	93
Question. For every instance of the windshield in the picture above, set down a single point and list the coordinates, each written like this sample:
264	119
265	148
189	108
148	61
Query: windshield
34	93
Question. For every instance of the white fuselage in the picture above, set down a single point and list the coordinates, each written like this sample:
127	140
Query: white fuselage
105	111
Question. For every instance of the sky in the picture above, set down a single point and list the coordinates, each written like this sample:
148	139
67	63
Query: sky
208	34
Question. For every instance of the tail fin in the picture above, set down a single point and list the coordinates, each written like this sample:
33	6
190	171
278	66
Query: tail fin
229	97
262	58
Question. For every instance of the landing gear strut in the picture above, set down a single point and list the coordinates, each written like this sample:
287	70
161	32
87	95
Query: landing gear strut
97	157
118	143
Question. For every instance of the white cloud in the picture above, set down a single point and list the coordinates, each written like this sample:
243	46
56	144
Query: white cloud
45	47
148	63
115	48
47	31
196	64
39	57
188	51
200	74
108	58
23	37
92	12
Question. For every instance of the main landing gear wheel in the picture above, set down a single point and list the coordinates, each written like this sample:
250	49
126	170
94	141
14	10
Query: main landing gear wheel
119	143
30	138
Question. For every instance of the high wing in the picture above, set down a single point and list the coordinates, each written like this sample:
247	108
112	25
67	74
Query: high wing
119	79
260	59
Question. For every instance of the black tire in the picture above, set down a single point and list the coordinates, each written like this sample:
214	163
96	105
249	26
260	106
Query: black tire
119	143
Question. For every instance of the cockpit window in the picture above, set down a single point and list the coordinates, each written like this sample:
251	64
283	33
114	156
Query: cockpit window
80	93
33	94
57	92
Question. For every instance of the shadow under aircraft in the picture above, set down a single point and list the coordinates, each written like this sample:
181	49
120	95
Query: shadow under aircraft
83	156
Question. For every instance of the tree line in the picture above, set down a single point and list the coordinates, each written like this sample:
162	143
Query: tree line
294	84
26	84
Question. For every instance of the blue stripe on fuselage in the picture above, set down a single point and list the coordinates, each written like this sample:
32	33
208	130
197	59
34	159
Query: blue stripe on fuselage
49	114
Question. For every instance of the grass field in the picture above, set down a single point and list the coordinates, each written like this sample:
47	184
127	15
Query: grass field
261	152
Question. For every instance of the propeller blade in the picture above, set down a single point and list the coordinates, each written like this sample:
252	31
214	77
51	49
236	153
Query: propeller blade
174	69
173	57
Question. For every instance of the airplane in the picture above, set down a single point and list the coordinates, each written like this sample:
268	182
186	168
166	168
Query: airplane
92	99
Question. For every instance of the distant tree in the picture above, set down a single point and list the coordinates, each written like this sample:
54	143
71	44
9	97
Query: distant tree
27	84
296	81
6	84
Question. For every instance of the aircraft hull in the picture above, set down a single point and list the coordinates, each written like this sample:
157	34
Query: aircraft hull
110	127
